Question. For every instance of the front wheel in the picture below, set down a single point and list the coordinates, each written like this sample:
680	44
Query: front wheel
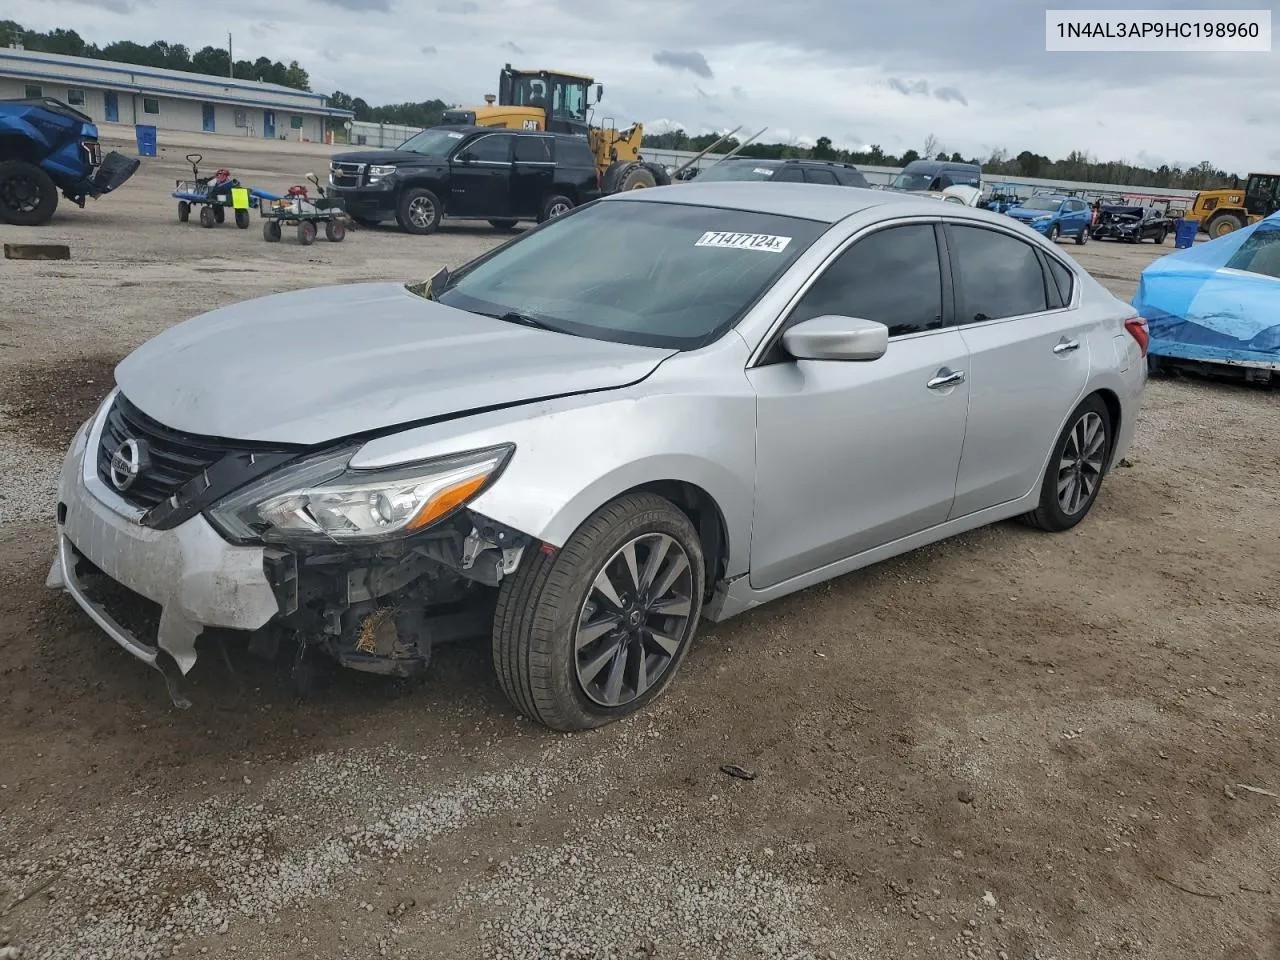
1074	474
335	231
1160	236
271	231
207	217
418	211
184	211
306	232
28	195
1053	233
242	219
596	630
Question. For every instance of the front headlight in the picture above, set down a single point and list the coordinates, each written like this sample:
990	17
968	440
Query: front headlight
1045	216
378	172
323	499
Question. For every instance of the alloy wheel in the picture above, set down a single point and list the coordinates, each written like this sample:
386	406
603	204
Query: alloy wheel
1080	466
634	619
22	193
421	212
557	210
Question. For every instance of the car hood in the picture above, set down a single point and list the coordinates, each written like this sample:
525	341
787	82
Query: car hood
1023	213
384	157
327	362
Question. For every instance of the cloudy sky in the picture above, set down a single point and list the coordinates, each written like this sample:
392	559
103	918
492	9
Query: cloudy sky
974	73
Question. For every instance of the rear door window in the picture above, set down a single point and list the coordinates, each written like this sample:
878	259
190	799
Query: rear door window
999	275
493	148
818	175
533	150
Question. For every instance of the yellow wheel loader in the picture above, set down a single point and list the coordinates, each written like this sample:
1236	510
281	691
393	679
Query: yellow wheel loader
561	103
1222	211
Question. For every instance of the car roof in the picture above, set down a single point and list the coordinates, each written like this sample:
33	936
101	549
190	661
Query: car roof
808	201
466	129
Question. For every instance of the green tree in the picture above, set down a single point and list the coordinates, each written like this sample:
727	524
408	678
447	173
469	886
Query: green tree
296	77
213	61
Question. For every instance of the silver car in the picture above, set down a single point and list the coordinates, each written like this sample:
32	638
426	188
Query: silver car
669	404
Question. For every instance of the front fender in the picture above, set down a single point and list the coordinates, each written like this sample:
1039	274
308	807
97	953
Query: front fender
575	454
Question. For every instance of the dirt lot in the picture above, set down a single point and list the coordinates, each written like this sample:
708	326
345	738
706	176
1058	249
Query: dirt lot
1010	745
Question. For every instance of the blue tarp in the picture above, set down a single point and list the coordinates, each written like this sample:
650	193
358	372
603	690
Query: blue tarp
1217	301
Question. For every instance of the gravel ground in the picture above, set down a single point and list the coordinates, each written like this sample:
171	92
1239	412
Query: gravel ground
1004	746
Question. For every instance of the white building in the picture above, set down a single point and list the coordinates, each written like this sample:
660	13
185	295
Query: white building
167	99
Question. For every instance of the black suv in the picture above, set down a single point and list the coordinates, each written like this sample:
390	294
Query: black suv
467	173
784	171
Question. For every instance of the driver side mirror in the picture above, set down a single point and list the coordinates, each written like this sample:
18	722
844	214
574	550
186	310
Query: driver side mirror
599	92
832	337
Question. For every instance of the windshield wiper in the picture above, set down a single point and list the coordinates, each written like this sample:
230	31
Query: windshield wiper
514	316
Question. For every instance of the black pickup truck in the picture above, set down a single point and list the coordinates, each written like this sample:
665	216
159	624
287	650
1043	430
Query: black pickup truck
1131	224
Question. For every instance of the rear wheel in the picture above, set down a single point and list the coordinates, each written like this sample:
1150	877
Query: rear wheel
418	211
1074	474
28	195
219	213
555	206
306	232
184	211
1223	224
271	231
207	216
594	631
242	219
334	231
1083	236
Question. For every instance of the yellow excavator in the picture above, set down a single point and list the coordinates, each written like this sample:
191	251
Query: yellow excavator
561	102
1222	211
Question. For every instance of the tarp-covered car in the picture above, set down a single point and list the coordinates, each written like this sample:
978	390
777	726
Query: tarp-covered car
1217	302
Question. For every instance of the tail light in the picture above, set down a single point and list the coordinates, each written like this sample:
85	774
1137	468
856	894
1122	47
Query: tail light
1137	328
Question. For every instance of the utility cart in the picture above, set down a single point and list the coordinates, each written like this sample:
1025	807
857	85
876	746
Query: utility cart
214	195
299	209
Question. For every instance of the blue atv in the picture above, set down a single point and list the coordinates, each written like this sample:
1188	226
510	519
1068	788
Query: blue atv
47	147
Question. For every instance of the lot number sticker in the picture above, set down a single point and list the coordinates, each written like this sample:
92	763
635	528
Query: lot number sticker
743	241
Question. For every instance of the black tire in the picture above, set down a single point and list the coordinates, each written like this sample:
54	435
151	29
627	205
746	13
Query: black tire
271	231
184	211
1161	236
1082	237
28	195
536	620
207	217
364	222
242	219
220	213
306	232
335	231
556	205
1051	514
1223	224
418	211
1053	233
503	224
639	177
660	175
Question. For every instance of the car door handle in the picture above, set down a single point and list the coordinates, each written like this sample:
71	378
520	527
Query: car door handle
946	378
1066	346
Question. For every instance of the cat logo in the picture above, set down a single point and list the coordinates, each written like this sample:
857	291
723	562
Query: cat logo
531	124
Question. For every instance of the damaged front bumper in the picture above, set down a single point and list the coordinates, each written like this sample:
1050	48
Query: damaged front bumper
377	607
196	578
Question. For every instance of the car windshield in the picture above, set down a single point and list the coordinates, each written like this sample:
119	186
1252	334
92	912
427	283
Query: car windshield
432	143
1042	203
642	272
912	181
737	171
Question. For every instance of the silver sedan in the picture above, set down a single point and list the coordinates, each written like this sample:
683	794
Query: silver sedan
667	405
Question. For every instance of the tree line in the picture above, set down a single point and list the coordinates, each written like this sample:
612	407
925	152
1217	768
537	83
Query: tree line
1078	165
213	61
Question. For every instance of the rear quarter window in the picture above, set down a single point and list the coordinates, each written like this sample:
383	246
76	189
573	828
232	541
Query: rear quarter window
574	153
